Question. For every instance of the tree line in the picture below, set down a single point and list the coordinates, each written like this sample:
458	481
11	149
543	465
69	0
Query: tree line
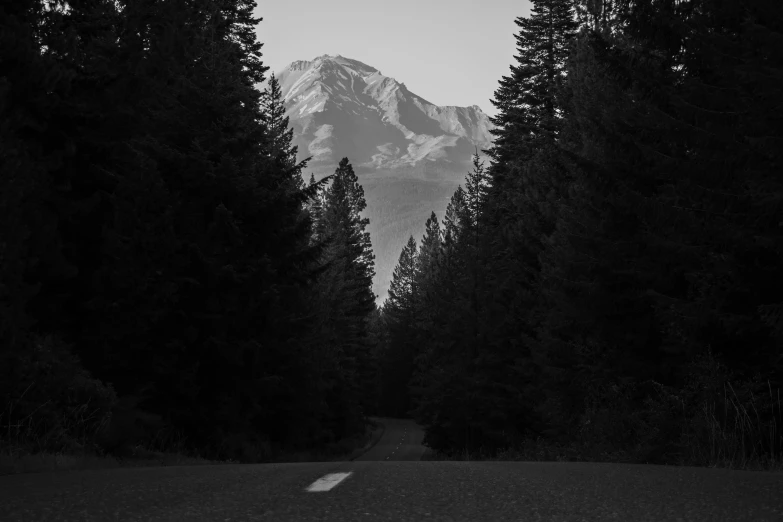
167	275
606	288
609	287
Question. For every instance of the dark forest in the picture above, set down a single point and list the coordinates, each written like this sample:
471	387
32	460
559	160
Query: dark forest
606	288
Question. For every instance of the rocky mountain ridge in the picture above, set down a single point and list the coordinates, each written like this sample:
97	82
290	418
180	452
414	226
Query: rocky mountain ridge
409	153
341	107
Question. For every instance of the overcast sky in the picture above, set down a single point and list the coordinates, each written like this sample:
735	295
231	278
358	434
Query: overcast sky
450	52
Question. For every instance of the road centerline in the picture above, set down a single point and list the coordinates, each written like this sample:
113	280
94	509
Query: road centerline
328	482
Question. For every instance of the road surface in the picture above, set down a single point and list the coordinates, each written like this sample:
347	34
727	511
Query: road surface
389	484
401	441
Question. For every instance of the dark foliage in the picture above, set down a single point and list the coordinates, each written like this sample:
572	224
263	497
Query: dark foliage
614	289
607	286
158	237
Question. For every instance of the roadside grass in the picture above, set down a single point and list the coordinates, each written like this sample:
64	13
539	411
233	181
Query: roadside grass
728	434
24	450
55	416
737	437
16	457
13	463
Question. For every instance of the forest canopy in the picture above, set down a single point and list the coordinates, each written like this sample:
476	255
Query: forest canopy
607	285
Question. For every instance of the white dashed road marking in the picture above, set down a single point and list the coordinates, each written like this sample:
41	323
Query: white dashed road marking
329	481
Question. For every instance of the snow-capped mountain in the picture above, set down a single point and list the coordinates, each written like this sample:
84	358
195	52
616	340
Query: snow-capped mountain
409	153
341	107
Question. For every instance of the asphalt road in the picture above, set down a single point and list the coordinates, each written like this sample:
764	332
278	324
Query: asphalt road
397	488
401	441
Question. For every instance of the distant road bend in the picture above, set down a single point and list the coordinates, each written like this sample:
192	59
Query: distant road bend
390	483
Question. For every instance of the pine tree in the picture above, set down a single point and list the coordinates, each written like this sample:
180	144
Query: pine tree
470	246
400	300
492	247
37	139
430	249
347	301
527	108
343	205
523	186
475	198
279	141
648	243
399	313
315	206
527	128
188	258
452	226
448	320
600	16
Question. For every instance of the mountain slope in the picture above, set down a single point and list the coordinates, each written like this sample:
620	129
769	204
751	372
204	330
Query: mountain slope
409	153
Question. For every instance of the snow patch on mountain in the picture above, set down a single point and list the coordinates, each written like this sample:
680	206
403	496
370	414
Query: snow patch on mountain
342	107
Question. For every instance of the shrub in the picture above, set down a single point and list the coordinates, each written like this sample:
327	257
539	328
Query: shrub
713	421
50	402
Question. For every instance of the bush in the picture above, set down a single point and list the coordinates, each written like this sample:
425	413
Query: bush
244	447
50	402
712	420
735	425
129	428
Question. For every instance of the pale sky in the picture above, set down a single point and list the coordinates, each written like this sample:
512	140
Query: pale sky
450	52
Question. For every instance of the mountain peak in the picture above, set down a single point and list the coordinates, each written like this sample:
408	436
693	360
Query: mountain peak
408	152
396	128
347	63
299	65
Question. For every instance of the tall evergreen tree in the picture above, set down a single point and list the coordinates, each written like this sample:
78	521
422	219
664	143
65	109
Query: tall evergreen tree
452	226
37	139
472	239
527	108
342	216
400	300
347	301
430	250
399	314
174	249
279	141
647	249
